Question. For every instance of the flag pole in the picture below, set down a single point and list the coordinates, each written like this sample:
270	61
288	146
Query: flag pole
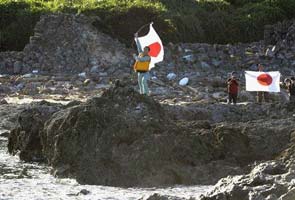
143	26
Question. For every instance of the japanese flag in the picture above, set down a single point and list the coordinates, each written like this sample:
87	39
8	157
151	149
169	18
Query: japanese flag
153	41
263	81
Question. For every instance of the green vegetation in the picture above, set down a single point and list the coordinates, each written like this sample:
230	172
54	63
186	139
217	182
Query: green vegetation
211	21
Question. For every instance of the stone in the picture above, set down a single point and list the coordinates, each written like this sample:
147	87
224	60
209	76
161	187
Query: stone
205	65
157	196
3	101
84	192
219	95
94	69
5	134
25	138
171	76
82	75
184	81
290	195
17	67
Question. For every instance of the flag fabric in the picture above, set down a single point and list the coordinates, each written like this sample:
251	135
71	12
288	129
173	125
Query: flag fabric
153	41
263	81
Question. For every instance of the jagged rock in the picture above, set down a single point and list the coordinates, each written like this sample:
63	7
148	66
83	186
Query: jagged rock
17	67
121	139
165	197
289	196
5	134
3	101
25	138
54	51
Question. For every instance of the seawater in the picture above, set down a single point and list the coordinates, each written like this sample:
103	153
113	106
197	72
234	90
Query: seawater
29	181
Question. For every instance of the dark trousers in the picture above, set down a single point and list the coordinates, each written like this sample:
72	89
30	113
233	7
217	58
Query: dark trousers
232	98
262	96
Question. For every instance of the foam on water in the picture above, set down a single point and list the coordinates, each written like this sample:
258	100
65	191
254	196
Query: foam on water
24	181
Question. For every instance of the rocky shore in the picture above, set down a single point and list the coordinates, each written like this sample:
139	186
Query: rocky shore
89	126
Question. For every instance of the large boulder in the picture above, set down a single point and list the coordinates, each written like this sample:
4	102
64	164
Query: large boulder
267	180
25	138
122	139
157	196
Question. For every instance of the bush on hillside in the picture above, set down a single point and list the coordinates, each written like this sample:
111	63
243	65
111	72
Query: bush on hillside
219	21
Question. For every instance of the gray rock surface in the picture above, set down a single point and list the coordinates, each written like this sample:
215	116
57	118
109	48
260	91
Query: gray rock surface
125	139
25	137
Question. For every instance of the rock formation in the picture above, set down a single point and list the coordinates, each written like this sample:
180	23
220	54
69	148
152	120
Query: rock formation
25	138
66	43
125	139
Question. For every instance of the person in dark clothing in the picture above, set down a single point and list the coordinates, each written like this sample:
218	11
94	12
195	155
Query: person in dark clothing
291	88
260	94
232	88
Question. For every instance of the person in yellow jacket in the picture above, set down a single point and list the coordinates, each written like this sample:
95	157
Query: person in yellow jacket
142	66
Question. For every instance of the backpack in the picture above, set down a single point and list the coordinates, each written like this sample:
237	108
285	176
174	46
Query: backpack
141	66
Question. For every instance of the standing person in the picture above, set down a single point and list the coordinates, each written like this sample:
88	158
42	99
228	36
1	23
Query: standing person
232	88
291	88
260	94
141	66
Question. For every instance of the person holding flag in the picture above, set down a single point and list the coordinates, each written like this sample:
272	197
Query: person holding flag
153	52
262	94
141	66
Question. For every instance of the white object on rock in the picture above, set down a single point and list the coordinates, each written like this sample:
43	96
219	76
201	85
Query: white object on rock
35	71
183	81
82	75
188	58
27	75
171	76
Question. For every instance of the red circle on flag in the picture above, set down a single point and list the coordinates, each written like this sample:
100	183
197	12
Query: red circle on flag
155	49
264	79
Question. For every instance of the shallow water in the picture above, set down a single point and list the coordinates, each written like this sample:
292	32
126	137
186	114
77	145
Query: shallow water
24	181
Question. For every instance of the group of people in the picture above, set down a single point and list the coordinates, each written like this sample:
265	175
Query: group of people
143	60
233	88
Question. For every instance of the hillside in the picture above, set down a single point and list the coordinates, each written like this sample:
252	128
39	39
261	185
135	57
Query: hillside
209	21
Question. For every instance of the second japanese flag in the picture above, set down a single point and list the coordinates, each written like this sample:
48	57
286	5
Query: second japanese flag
263	81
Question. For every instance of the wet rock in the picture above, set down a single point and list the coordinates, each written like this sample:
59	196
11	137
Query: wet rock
165	197
25	138
123	139
84	192
5	89
3	101
5	134
290	195
265	181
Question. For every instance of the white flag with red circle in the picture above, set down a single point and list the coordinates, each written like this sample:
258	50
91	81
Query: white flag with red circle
153	41
263	81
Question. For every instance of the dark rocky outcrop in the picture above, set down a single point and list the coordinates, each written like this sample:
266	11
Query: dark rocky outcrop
125	139
25	138
165	197
270	180
122	139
